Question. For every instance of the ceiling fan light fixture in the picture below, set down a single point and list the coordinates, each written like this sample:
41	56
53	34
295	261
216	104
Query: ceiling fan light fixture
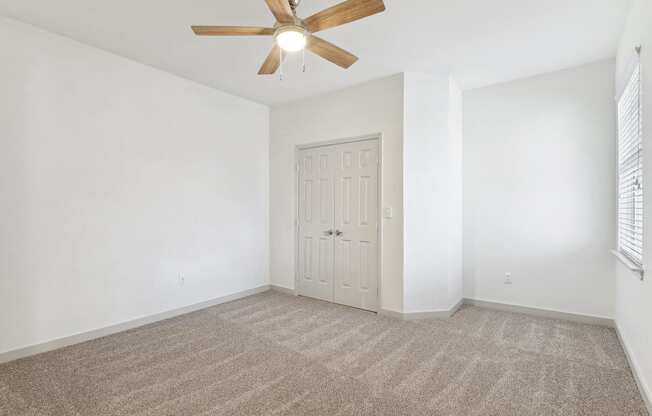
294	34
291	38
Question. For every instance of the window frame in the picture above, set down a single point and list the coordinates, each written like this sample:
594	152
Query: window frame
632	252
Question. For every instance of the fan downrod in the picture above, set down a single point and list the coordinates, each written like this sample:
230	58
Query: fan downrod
293	5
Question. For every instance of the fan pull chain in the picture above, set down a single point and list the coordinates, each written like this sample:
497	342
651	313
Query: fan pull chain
280	57
303	60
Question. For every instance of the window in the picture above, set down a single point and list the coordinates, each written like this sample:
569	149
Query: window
630	171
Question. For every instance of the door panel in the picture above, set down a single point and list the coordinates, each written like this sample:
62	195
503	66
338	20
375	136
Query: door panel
356	217
338	190
316	170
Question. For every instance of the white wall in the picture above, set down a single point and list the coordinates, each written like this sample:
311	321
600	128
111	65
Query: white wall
374	107
455	194
634	297
431	193
115	178
539	191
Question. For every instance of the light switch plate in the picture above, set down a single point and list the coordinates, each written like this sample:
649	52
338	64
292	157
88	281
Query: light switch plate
387	212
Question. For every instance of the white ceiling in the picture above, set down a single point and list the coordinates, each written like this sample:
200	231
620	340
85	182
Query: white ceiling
481	42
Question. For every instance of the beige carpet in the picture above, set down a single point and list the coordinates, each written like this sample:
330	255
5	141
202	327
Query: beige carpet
274	354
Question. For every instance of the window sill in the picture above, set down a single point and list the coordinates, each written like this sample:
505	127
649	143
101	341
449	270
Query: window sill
628	263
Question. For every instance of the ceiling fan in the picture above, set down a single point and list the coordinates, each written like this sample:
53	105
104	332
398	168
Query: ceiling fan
294	34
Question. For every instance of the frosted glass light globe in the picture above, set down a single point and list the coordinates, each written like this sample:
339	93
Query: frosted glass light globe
291	40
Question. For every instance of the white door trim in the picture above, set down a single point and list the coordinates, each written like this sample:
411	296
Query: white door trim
297	149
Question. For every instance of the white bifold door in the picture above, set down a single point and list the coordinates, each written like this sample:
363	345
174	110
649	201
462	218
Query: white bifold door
338	223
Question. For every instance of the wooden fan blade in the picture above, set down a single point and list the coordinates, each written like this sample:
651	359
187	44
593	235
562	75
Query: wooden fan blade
330	52
281	10
345	12
232	30
272	62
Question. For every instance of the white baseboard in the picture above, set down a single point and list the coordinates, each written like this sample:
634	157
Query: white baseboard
124	326
544	313
389	313
646	394
409	316
283	289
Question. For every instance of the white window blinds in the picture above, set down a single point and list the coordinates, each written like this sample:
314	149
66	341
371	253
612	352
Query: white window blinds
630	171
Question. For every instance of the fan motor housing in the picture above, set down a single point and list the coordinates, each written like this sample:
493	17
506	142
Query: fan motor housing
290	28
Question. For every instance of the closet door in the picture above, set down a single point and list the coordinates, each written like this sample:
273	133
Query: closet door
316	233
356	222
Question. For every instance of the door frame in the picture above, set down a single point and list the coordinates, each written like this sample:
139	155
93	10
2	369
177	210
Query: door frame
313	145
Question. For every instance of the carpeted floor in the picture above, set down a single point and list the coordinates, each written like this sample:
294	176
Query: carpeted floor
274	354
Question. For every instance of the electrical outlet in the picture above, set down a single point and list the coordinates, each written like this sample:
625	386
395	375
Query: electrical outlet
508	278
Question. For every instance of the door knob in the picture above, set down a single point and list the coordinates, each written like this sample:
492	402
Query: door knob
328	232
338	233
